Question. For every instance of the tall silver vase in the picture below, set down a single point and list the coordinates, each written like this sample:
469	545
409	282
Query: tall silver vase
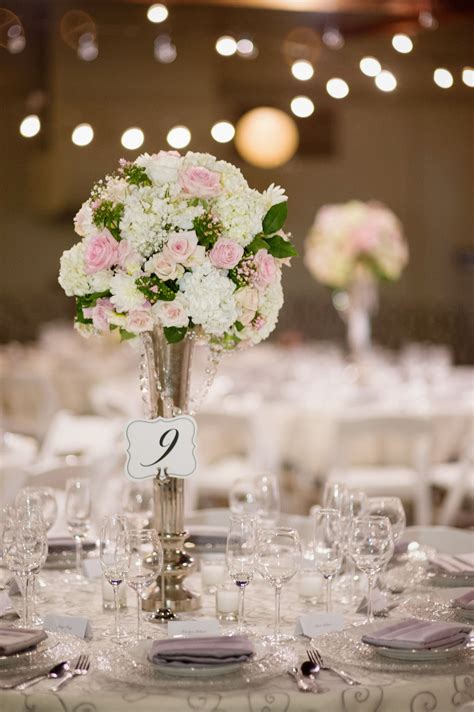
165	372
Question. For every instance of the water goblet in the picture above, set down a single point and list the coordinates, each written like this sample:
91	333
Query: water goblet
243	497
114	559
278	561
240	558
145	563
371	546
78	512
42	498
390	507
137	504
328	547
268	499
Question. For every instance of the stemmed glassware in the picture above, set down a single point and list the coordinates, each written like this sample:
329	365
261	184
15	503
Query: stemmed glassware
7	514
145	563
353	505
137	504
334	494
78	512
42	498
390	507
268	500
115	560
243	497
371	546
278	561
328	547
25	548
240	558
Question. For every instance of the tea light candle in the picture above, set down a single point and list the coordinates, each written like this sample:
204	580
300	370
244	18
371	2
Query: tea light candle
213	573
108	595
309	585
227	603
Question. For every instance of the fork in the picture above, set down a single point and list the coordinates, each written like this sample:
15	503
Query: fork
316	657
80	668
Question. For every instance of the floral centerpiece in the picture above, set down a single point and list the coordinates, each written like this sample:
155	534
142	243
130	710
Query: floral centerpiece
349	247
176	249
182	242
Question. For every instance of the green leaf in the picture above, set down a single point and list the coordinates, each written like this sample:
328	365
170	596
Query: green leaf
153	288
275	218
280	248
239	326
258	243
174	334
126	335
136	175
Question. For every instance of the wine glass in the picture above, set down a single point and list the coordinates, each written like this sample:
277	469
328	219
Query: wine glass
240	558
7	514
352	506
268	500
78	512
371	546
41	497
328	547
114	559
146	561
278	561
137	504
243	497
30	512
334	494
25	548
392	508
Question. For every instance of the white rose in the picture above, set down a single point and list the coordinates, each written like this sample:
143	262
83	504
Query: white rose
173	313
162	167
247	300
164	267
197	258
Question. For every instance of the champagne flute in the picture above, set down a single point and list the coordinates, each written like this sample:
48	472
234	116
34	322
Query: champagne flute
145	563
25	548
334	494
41	497
268	500
78	512
114	559
278	561
137	503
7	514
328	547
240	558
352	506
371	546
31	513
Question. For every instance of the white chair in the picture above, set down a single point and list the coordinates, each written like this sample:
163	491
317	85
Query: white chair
457	478
82	435
409	436
447	540
28	402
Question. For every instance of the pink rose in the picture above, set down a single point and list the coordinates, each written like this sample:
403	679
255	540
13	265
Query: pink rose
266	269
200	182
128	258
101	252
364	238
247	299
139	320
226	253
173	313
100	313
164	266
180	245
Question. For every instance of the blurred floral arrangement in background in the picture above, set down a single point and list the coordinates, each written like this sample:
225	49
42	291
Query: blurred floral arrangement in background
348	238
182	242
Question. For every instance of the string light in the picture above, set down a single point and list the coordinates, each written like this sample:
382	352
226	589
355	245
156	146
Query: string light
370	66
132	138
337	88
302	70
164	50
468	76
246	48
333	38
157	13
179	137
302	106
30	126
402	43
87	49
223	132
226	46
82	135
385	81
443	78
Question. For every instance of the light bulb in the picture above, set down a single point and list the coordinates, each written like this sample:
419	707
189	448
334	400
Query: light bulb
226	46
157	13
337	88
30	126
223	132
82	135
370	66
443	78
302	106
178	136
402	43
385	81
302	70
132	138
468	76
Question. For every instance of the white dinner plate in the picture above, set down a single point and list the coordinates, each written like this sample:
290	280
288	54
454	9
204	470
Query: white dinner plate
139	654
412	655
467	613
29	653
440	578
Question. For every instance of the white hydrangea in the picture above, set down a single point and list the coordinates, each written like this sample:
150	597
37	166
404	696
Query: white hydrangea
83	221
125	295
144	220
269	308
101	281
115	189
210	295
183	214
241	214
72	276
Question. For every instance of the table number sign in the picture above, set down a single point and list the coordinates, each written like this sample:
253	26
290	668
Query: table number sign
161	446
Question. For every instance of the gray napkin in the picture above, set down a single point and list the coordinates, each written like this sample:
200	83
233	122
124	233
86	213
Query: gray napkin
381	604
14	640
459	564
416	634
60	544
465	601
209	650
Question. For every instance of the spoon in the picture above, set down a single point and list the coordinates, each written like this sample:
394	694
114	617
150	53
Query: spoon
57	671
310	670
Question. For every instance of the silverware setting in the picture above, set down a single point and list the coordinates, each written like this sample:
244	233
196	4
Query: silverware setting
316	658
303	684
81	667
56	672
